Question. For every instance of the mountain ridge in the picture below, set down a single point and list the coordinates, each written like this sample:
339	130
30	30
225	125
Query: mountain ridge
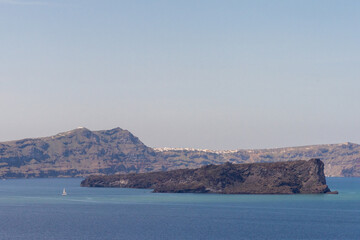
81	152
162	149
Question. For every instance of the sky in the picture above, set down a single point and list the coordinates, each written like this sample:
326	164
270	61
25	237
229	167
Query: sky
210	74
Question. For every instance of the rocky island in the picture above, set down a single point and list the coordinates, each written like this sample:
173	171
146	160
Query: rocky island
292	177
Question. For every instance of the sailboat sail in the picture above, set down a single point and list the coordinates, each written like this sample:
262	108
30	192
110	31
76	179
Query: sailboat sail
64	192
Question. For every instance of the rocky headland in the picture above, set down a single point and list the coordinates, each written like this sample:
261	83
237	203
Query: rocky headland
306	177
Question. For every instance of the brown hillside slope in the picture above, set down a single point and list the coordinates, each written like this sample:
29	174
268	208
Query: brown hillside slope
79	152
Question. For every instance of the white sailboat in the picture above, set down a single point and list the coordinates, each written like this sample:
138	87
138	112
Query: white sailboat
64	193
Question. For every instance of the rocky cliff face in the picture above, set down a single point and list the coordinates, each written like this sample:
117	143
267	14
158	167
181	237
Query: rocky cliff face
82	152
257	178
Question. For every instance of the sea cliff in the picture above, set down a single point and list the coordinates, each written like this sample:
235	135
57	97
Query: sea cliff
257	178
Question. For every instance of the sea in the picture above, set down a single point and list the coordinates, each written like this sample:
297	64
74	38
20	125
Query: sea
35	209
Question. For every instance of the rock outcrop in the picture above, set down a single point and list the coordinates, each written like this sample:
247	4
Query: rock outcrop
257	178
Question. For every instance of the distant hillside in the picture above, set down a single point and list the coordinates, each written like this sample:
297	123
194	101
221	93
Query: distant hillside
79	152
82	152
341	160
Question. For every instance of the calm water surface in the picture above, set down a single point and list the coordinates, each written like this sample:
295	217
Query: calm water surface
35	209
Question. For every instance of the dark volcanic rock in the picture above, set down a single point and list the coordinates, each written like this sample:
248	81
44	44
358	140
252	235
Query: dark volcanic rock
257	178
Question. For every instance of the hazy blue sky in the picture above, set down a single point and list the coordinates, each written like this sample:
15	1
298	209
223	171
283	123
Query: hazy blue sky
204	74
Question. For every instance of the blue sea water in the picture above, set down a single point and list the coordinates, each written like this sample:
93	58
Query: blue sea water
34	209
